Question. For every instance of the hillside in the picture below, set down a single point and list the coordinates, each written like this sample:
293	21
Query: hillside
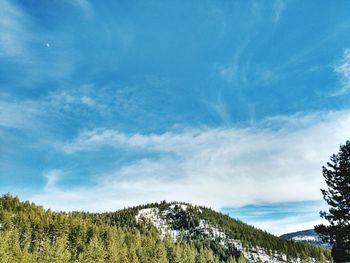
164	232
306	236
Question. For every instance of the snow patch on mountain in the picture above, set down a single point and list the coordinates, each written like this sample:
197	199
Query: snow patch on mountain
163	222
306	238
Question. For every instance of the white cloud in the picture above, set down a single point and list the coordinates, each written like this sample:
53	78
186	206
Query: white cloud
281	218
69	100
14	35
221	109
342	68
52	177
16	114
87	101
27	114
288	225
236	70
221	167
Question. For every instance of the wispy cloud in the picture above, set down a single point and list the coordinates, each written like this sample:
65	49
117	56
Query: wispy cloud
69	100
342	69
235	71
37	54
278	7
221	109
30	113
19	115
52	177
218	167
14	36
288	224
280	218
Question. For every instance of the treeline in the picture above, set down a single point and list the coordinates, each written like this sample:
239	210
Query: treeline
28	233
252	237
189	219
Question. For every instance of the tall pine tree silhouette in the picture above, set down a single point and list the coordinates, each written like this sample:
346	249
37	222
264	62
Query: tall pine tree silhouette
337	196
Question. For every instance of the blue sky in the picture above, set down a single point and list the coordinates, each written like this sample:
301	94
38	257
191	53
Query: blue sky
229	104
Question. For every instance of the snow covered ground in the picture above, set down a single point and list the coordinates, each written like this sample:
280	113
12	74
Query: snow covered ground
159	220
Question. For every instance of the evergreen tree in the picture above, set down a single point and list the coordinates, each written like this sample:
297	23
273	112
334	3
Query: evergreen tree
94	252
123	254
10	251
208	255
304	258
242	259
337	196
200	257
54	253
4	247
231	260
31	234
179	254
322	258
160	254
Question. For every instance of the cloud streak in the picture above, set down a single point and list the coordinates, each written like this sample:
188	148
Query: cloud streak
14	36
280	218
342	69
288	224
52	177
217	167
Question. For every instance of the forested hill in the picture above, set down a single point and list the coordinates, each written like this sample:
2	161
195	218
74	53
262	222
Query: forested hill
164	232
309	236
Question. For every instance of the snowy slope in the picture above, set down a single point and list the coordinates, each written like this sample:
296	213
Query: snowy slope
305	236
166	222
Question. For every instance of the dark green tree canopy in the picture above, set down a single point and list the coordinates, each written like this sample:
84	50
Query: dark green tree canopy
31	234
337	196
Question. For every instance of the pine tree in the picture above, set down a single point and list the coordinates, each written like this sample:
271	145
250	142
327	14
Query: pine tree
208	255
231	260
200	257
123	254
242	259
4	246
305	258
322	258
160	255
179	254
54	253
337	196
94	252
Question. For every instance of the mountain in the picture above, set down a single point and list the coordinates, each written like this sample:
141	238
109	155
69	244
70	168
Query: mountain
158	232
306	236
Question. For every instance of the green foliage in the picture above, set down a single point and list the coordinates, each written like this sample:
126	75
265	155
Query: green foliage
94	252
28	233
337	196
54	252
241	259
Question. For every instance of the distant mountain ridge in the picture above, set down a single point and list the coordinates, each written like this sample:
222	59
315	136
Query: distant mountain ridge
309	236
